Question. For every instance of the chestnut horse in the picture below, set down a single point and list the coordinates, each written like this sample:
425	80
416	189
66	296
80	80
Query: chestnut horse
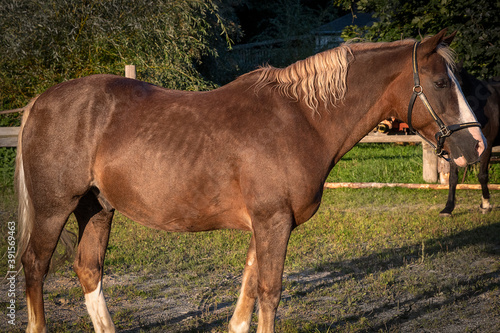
484	100
252	155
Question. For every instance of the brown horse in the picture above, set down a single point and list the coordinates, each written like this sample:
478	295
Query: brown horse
484	100
251	155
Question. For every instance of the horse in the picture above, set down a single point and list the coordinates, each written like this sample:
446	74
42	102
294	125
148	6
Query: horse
484	99
257	151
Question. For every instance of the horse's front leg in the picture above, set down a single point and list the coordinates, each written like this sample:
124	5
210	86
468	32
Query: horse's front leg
262	275
483	180
453	181
271	240
240	322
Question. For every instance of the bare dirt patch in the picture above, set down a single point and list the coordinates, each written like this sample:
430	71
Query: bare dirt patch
451	285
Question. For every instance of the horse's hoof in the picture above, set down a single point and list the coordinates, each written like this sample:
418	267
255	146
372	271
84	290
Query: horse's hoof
445	214
485	206
485	210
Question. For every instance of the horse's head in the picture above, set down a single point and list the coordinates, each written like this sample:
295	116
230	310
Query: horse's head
438	110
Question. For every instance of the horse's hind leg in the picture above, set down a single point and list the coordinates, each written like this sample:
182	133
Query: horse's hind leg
36	261
94	224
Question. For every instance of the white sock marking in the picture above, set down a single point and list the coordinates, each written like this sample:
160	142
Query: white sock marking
98	311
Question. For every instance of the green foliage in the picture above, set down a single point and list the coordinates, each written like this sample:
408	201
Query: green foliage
283	16
477	24
7	167
47	42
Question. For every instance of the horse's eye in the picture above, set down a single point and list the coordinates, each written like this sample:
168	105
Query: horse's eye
441	84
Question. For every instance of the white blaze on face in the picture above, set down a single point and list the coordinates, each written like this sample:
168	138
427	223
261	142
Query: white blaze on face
466	116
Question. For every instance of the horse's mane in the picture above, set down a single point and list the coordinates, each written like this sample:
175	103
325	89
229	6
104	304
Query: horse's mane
324	75
448	55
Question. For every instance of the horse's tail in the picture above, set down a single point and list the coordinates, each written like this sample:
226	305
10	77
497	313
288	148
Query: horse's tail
25	206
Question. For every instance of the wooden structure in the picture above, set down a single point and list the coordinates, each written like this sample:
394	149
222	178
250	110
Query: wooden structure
412	186
429	159
8	136
130	71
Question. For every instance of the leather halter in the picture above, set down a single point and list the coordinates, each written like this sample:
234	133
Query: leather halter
444	131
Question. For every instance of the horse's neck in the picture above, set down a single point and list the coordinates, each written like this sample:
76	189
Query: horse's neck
367	102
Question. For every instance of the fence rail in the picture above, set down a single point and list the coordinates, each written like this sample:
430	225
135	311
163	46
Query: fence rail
8	136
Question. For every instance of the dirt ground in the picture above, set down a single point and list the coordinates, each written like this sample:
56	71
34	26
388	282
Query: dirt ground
172	308
454	289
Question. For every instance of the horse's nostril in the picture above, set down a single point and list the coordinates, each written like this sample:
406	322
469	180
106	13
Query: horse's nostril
479	148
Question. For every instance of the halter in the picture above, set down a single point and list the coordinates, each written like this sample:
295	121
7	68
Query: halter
444	131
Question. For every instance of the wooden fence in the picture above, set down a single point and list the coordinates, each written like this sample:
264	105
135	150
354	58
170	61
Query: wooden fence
430	162
8	136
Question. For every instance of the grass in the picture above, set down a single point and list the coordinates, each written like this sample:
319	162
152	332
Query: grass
370	260
393	163
381	163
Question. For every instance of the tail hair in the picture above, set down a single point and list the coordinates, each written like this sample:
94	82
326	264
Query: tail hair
25	206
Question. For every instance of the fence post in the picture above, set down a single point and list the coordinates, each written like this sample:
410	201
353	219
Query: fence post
130	71
430	163
444	171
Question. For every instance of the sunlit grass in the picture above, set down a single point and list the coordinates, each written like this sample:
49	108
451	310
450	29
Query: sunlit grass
394	163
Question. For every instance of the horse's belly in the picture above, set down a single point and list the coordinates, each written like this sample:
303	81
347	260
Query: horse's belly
173	208
192	219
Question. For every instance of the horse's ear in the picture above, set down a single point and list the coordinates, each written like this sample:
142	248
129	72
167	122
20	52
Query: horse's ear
447	40
430	44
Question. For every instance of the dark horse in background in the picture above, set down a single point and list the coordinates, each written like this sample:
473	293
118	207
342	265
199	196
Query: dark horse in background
484	100
256	152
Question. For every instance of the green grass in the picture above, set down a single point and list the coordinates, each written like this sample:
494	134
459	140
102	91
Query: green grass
385	163
377	260
393	163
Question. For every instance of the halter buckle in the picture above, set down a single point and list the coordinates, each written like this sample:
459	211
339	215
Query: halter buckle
445	132
417	89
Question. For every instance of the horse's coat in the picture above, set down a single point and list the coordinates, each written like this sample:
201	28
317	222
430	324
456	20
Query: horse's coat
251	155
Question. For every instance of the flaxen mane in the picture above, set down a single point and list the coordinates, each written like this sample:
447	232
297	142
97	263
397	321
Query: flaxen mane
322	77
448	55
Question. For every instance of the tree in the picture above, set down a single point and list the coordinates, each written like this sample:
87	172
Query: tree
264	20
46	42
477	23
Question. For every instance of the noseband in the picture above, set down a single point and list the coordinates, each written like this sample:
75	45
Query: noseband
444	131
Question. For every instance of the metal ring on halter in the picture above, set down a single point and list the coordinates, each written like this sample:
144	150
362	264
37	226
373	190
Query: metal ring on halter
418	89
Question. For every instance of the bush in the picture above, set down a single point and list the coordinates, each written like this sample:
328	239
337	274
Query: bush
7	166
47	42
476	22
